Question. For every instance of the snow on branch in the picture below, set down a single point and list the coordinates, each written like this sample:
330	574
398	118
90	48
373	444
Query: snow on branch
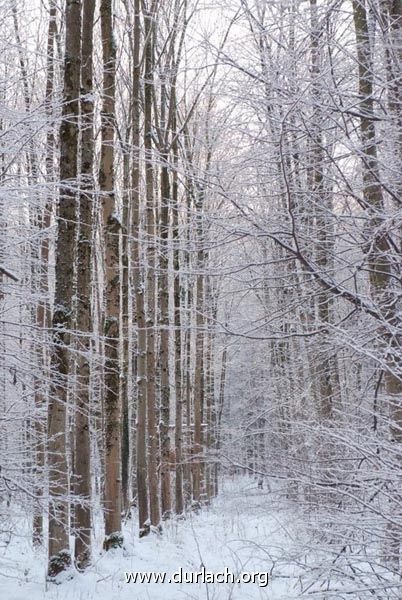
8	273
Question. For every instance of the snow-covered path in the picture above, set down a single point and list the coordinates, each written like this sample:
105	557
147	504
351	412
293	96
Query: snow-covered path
240	531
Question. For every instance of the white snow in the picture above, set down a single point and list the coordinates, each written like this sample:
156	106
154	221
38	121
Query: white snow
240	531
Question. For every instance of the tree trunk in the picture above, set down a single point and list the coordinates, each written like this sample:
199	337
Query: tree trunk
138	283
179	503
187	366
153	439
84	322
59	551
198	465
43	314
112	230
322	206
125	332
166	501
218	418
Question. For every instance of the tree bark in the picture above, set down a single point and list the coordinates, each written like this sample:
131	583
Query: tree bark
43	313
179	501
59	551
125	333
198	464
153	438
141	442
166	501
112	230
84	320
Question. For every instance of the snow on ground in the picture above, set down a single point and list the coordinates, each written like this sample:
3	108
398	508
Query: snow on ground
240	531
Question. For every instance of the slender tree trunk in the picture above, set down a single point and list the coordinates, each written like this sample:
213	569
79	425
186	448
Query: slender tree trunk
198	465
322	206
179	502
219	409
59	551
112	230
166	501
187	366
153	439
125	331
84	321
138	282
209	420
43	315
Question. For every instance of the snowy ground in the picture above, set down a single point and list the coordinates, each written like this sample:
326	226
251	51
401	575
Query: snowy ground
241	531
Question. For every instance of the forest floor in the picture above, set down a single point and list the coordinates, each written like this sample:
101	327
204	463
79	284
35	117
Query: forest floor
241	530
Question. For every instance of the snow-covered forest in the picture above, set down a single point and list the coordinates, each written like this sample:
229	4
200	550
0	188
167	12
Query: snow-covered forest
200	298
